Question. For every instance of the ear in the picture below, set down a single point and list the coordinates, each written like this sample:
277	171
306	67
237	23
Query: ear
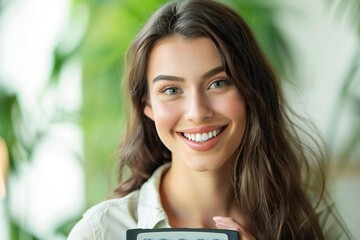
148	111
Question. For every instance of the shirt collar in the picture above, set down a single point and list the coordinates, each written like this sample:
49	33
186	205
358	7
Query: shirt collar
150	209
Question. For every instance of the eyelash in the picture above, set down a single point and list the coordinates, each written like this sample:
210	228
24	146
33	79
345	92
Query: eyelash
165	89
224	82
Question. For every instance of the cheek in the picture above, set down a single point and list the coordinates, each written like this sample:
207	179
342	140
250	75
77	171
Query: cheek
165	115
239	112
234	108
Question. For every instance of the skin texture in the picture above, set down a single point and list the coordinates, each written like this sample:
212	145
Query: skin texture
189	94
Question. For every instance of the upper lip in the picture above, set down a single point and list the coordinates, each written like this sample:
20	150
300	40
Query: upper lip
203	129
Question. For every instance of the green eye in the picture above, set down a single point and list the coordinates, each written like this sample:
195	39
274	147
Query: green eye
217	84
171	91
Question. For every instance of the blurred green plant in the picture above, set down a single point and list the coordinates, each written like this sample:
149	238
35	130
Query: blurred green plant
19	149
262	17
9	112
22	134
349	93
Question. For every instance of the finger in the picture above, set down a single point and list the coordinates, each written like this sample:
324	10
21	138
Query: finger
227	222
232	224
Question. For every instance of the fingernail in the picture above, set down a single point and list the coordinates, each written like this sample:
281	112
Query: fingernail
218	218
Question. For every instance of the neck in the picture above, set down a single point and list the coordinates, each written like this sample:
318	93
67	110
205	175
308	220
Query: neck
192	198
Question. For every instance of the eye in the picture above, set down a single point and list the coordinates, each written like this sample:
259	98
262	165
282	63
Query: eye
218	84
171	91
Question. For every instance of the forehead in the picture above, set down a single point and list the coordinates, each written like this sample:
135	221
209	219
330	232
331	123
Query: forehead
177	55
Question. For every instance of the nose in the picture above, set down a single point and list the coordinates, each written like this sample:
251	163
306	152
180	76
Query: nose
198	108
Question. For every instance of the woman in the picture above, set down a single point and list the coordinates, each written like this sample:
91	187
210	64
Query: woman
209	144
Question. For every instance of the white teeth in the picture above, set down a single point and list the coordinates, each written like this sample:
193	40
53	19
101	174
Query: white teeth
202	137
198	137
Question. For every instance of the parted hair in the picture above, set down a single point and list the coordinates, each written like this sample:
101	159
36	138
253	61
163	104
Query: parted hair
268	176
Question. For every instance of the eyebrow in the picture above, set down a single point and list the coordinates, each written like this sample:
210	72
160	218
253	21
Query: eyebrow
208	74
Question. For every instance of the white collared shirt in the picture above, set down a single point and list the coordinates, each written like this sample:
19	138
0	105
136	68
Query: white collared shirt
110	219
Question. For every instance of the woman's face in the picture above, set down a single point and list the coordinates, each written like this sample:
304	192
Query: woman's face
198	112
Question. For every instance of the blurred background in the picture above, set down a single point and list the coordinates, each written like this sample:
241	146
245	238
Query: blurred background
61	62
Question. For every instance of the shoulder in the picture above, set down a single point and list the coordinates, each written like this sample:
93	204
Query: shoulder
117	205
108	219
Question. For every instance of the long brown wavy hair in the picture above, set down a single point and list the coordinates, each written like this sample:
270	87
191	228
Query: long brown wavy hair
271	163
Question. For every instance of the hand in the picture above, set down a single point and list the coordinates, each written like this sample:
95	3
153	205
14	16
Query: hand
232	224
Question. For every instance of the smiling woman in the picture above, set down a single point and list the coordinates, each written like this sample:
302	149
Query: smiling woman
186	79
208	119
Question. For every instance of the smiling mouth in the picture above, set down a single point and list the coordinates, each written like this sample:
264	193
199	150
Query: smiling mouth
203	137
